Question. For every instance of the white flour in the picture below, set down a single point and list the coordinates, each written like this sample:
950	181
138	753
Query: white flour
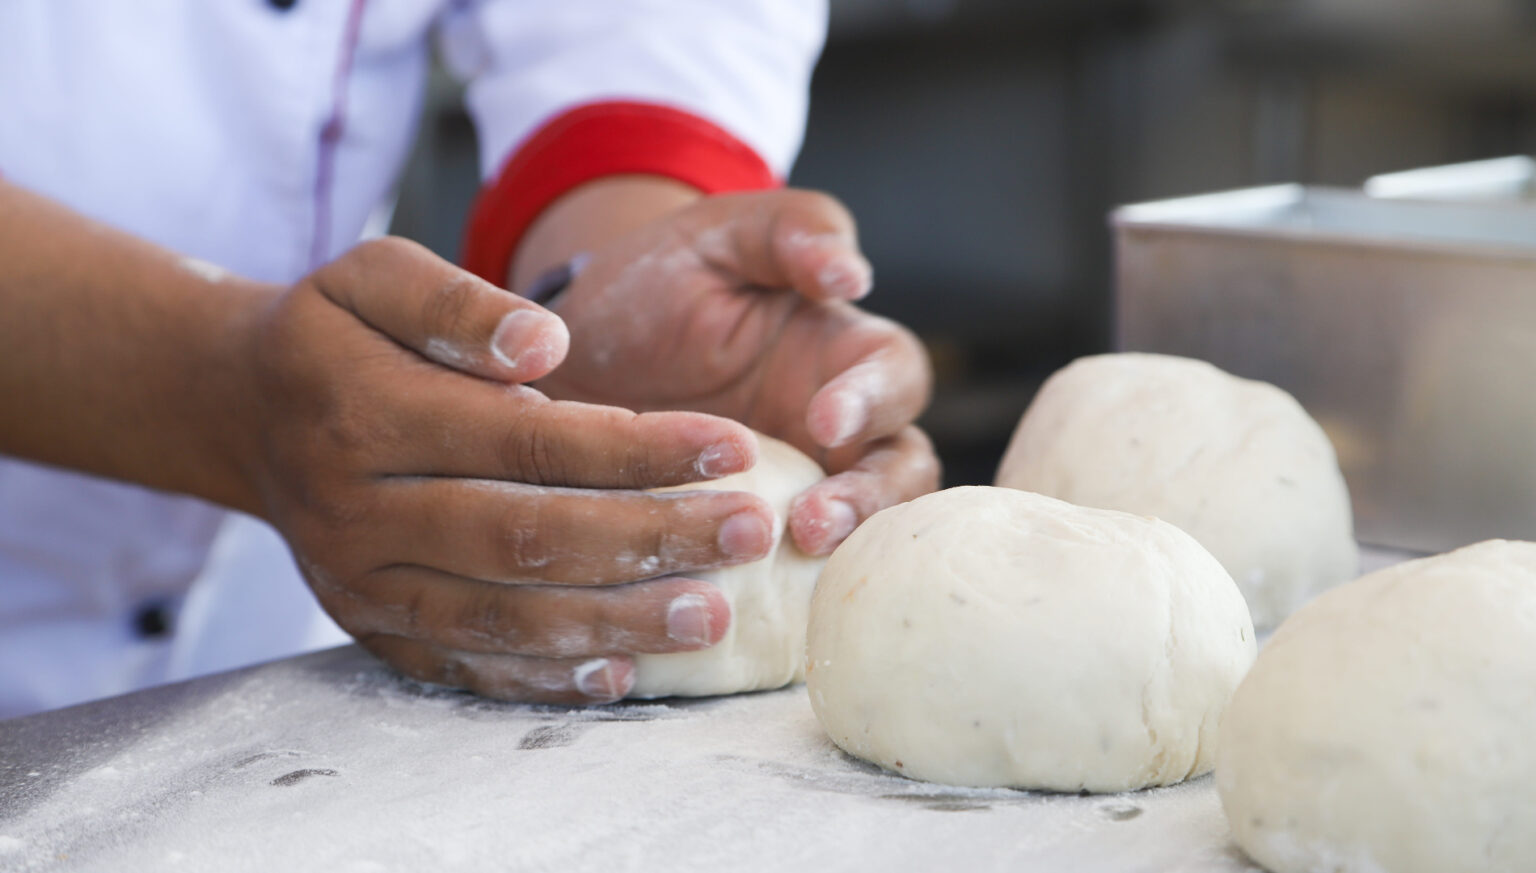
331	763
208	272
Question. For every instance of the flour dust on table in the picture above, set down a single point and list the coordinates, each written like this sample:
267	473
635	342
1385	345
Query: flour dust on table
224	774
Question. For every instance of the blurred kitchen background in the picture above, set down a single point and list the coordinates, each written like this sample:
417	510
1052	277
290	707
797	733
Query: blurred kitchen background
982	142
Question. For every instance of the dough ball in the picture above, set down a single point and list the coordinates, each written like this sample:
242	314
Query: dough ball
993	637
1237	464
1387	726
765	645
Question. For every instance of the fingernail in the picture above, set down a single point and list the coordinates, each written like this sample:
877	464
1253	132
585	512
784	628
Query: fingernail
688	619
720	459
744	535
841	519
852	416
847	278
596	678
526	338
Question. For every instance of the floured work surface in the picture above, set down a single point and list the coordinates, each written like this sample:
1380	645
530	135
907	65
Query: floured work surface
330	762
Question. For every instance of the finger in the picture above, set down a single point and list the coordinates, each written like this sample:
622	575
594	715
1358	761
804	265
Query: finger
544	621
877	396
508	532
446	314
466	428
508	677
892	471
442	424
803	240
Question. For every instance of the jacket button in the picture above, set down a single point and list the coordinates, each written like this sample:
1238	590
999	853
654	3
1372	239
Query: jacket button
153	621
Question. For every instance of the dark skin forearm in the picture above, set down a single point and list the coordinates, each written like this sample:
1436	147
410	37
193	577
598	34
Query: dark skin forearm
121	359
460	525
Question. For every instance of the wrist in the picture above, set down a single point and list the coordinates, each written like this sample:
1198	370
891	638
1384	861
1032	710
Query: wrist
589	216
233	458
128	357
594	144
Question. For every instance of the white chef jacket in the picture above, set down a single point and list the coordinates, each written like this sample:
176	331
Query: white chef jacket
258	135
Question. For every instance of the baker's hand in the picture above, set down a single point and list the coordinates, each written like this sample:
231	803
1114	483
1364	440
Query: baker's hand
462	526
740	306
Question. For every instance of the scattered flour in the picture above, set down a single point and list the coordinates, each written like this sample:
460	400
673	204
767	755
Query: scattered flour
330	762
208	272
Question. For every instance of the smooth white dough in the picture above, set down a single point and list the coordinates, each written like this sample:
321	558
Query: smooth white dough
992	637
1235	463
1388	726
765	645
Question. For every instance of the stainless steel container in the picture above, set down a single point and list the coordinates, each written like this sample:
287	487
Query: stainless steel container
1407	328
1512	178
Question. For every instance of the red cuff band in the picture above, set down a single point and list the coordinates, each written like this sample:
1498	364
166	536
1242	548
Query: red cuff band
596	140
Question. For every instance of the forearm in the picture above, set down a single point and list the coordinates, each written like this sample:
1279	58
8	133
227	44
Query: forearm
589	216
121	359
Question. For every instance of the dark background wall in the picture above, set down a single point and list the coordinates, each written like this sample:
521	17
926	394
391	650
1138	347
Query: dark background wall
981	143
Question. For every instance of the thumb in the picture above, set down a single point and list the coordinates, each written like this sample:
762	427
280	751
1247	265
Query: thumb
803	240
443	313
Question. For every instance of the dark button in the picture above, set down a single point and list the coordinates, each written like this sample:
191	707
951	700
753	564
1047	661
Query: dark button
153	621
284	5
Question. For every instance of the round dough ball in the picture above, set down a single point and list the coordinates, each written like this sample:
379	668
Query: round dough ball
765	645
991	637
1237	464
1387	725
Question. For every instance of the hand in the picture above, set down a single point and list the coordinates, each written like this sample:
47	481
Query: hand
740	306
462	526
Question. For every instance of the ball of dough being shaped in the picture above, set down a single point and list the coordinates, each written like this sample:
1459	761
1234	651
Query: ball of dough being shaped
1235	463
1387	726
992	637
765	644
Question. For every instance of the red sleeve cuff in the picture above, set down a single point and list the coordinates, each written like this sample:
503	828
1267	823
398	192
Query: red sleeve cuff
595	140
